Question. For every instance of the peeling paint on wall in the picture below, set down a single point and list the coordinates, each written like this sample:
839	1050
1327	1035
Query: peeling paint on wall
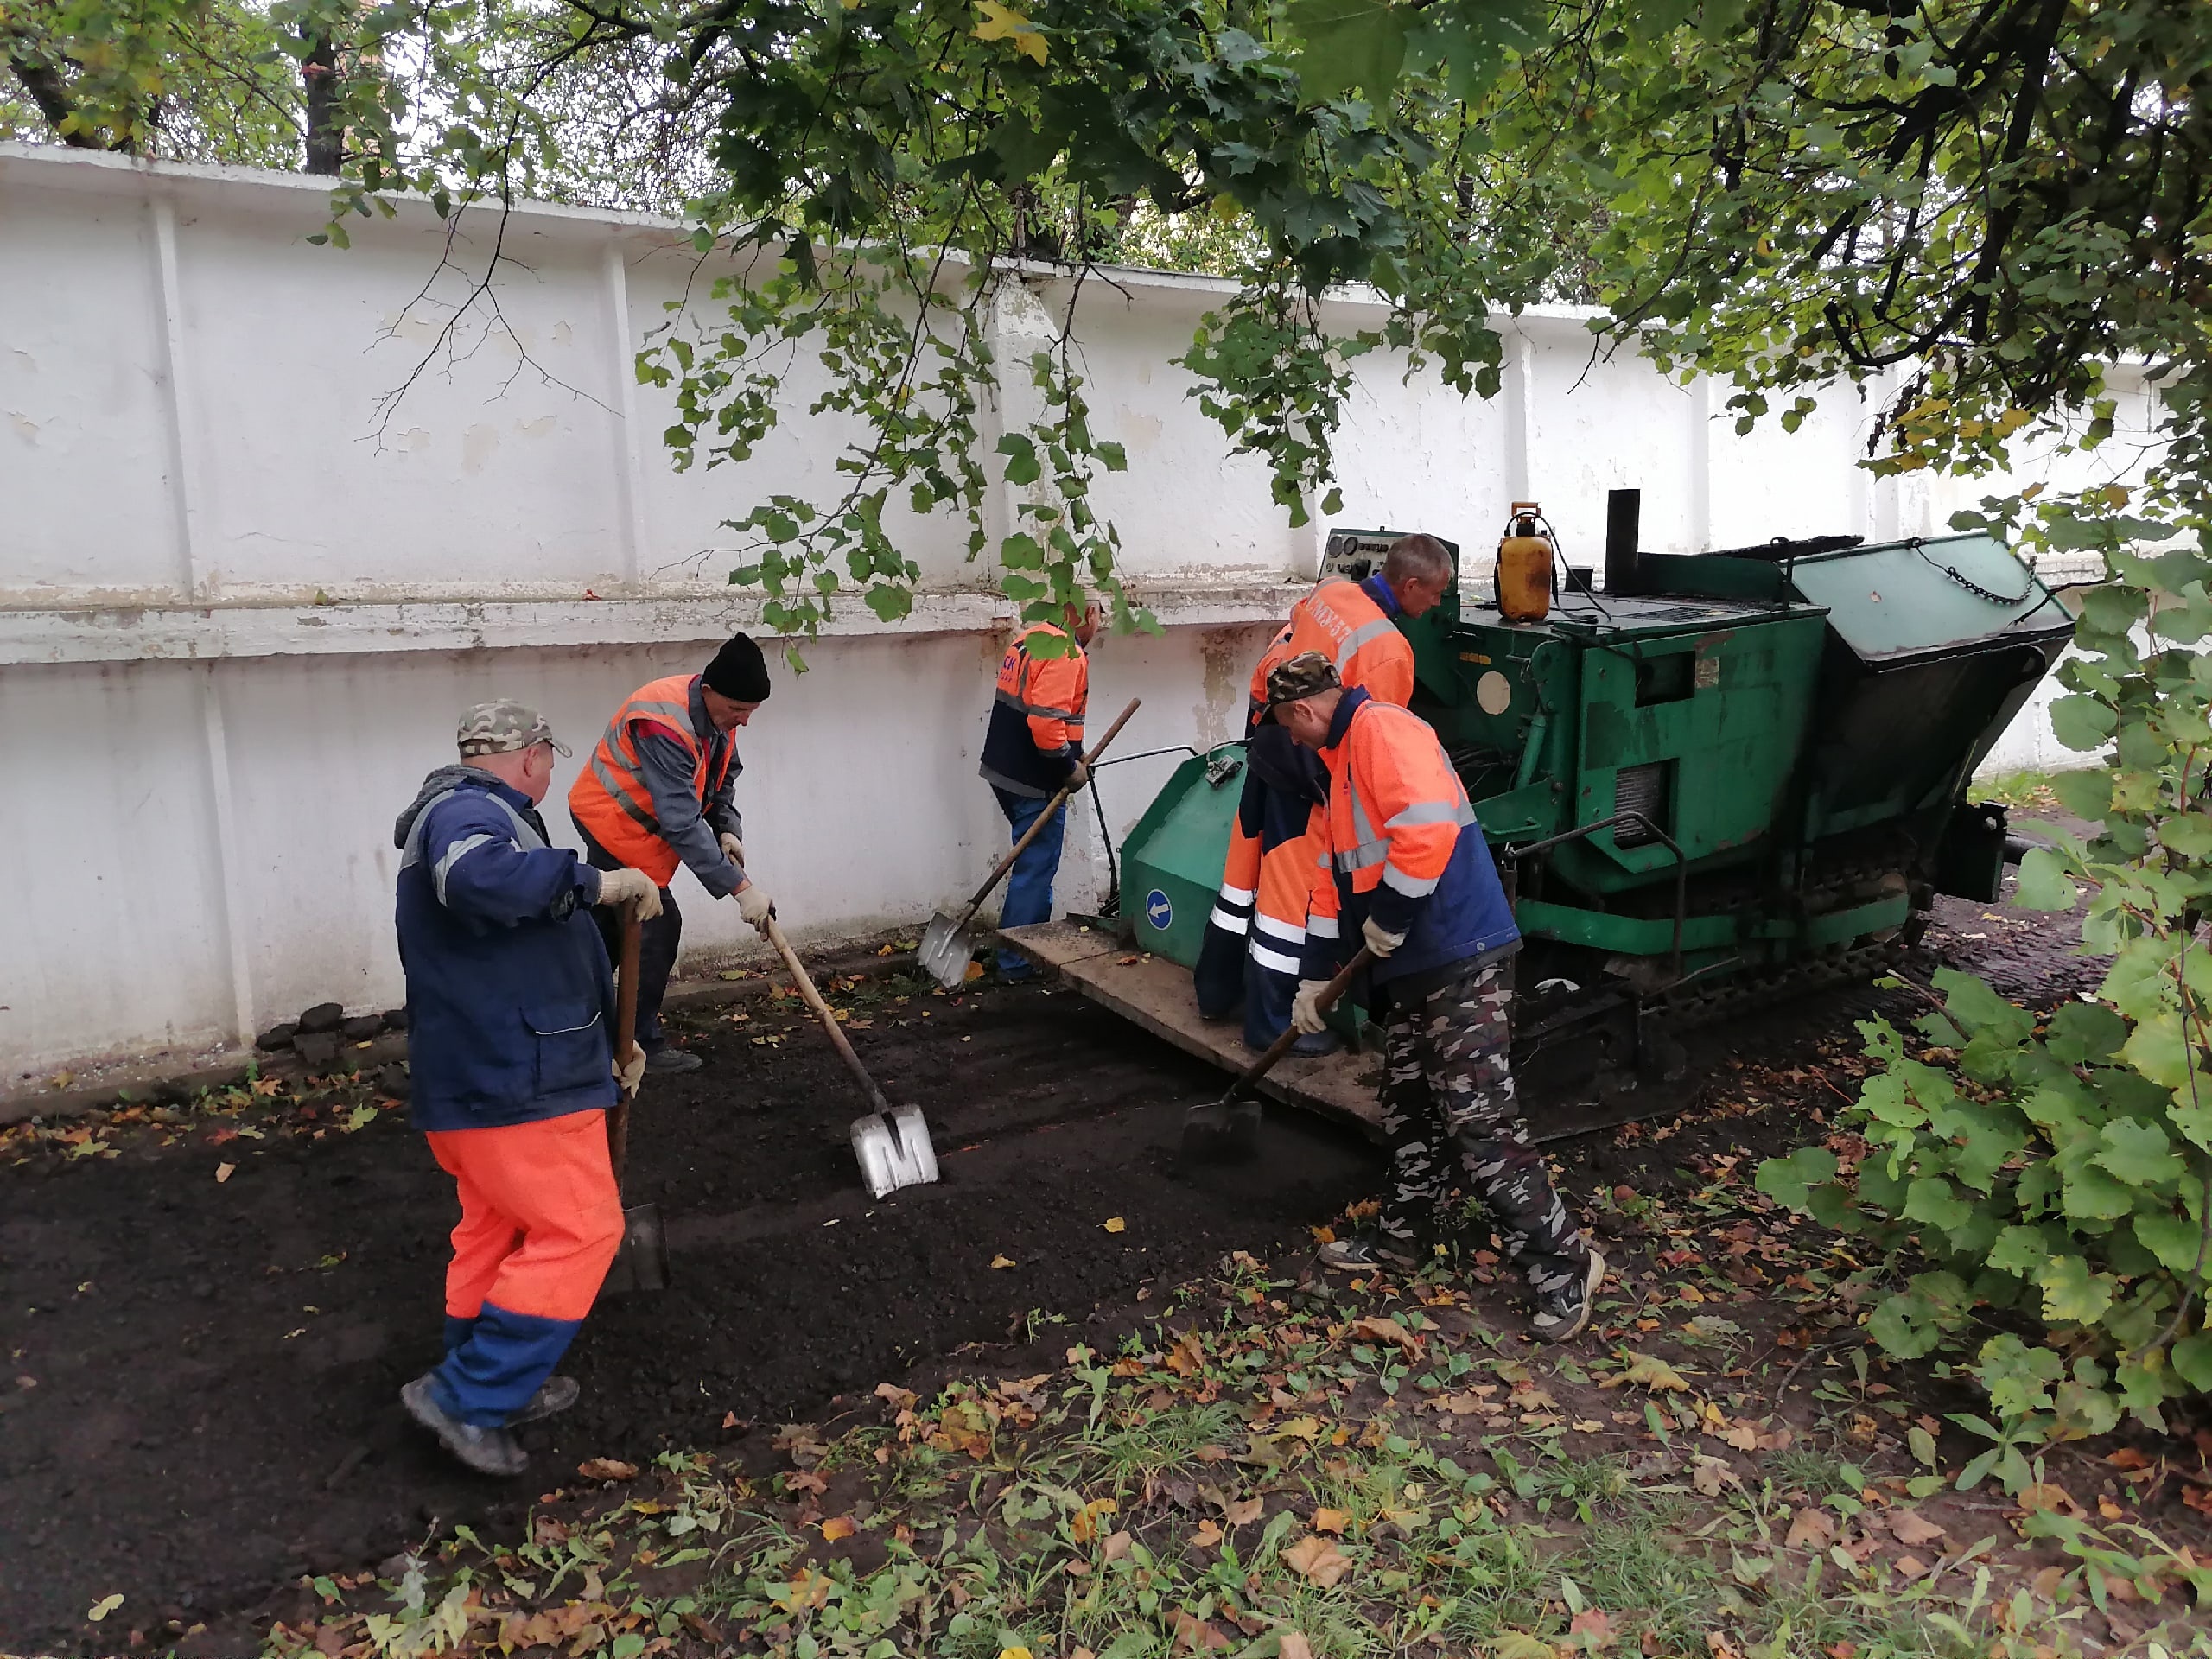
1225	659
476	447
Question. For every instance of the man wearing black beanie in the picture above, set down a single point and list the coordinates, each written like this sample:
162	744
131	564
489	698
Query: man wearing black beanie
657	794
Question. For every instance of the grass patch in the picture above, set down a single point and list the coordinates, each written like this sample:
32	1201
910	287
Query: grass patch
2027	791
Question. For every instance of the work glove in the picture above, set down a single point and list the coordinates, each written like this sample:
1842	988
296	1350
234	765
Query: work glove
620	887
753	903
1306	1007
1379	941
1077	779
732	849
630	1074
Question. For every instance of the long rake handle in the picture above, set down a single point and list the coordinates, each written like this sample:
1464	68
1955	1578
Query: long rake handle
1040	821
829	1019
625	1041
1335	988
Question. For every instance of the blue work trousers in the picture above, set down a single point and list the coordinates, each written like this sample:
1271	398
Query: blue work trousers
1029	885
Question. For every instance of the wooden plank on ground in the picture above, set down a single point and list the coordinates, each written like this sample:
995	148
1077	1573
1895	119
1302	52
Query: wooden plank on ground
1156	995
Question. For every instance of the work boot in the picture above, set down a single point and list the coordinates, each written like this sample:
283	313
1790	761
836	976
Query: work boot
1317	1043
667	1059
1561	1314
488	1451
1369	1250
555	1395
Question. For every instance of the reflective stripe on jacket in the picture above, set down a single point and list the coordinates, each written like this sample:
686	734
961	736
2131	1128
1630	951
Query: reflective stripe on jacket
611	797
1354	624
1035	736
1404	847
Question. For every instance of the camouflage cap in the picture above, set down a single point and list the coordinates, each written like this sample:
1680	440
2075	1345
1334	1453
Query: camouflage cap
1307	674
503	727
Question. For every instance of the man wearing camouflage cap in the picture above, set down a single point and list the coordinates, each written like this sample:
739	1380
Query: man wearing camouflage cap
1415	882
510	1051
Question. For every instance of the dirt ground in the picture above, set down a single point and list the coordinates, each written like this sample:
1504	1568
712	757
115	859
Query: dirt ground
206	1324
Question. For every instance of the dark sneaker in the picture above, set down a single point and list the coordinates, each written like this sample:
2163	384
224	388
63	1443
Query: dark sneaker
667	1061
1561	1314
555	1395
488	1451
1316	1042
1366	1252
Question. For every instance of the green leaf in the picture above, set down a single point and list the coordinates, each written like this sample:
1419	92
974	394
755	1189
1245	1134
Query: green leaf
2044	883
2192	1359
2086	793
2021	1251
2072	1294
1021	467
2093	1195
2082	722
2172	1238
2084	1030
2016	1377
1932	1200
2139	1154
2159	1049
1786	1180
1349	43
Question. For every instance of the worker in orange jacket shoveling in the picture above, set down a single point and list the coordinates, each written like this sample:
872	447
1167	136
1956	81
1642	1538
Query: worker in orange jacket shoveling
1260	916
1411	878
1033	749
656	794
510	1051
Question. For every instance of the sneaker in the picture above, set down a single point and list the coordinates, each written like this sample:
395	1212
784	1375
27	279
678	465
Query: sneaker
555	1395
1561	1314
668	1061
1365	1252
488	1451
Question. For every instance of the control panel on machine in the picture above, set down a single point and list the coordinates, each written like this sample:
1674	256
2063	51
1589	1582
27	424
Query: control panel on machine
1356	554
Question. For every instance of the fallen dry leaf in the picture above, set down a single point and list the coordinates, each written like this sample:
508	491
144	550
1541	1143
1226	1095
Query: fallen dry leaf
1648	1371
1317	1559
1331	1521
606	1469
1588	1426
1810	1528
1115	1225
224	1172
1595	1628
1742	1436
1206	1534
836	1527
1293	1645
1115	1546
1912	1530
1912	1566
1381	1330
807	1481
1711	1476
897	1398
1001	1261
1245	1512
2047	1494
1197	1634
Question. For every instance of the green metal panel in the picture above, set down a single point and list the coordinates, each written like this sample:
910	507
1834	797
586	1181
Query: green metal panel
1902	598
1171	862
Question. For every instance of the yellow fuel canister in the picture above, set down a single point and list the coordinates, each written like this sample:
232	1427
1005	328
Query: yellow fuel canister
1524	566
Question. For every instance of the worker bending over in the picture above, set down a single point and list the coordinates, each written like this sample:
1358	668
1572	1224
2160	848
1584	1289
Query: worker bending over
1033	750
1258	927
1413	880
509	1011
657	794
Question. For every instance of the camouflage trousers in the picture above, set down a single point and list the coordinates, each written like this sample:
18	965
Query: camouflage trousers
1447	1098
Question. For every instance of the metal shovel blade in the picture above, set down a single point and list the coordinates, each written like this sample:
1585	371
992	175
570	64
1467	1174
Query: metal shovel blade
945	953
895	1152
1221	1130
641	1262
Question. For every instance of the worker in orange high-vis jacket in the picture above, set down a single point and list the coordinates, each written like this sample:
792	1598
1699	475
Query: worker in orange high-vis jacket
1411	880
1258	924
657	792
1033	749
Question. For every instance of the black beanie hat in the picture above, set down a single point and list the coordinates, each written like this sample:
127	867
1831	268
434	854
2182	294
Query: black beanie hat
739	671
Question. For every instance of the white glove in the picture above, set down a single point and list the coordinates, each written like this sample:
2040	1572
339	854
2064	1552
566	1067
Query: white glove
1380	943
1305	1008
753	903
620	887
633	1074
732	848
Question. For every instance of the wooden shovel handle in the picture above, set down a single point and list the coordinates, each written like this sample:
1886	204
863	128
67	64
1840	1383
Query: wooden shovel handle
1335	988
829	1019
1043	818
625	1039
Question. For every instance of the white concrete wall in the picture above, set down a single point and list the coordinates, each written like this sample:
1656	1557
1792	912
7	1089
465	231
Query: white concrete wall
242	592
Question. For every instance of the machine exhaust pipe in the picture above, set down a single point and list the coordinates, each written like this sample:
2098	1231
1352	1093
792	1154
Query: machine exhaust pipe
1624	564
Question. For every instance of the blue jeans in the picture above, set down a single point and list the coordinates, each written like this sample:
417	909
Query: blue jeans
1029	885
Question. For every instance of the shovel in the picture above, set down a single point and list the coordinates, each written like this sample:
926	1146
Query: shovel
944	952
1230	1127
892	1143
641	1263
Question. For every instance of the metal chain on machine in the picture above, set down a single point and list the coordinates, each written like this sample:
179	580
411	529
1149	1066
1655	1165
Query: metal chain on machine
1968	583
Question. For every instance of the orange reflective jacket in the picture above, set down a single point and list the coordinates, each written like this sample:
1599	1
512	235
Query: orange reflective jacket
1036	734
611	797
